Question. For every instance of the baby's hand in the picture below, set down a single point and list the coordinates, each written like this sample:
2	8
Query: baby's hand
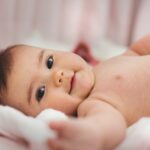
75	134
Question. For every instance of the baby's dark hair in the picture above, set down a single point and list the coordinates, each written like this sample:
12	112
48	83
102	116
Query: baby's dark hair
6	62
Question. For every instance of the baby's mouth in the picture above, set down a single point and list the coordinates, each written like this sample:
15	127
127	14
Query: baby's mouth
72	81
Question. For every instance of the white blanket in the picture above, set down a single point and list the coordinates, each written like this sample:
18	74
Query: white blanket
138	136
14	125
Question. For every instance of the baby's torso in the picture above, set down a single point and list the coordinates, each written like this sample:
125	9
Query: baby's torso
124	82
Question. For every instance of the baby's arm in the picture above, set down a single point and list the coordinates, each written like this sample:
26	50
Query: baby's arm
141	47
109	122
99	127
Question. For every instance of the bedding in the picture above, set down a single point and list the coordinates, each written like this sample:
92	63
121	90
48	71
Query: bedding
18	131
138	136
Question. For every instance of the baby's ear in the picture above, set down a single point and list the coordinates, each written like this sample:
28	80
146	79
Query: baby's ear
142	46
83	50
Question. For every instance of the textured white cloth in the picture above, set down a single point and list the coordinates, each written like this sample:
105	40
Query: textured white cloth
15	125
138	136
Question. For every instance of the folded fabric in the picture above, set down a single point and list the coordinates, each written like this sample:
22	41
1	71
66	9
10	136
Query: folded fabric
15	125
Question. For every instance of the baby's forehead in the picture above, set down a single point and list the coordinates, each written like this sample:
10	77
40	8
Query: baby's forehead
24	47
24	61
24	50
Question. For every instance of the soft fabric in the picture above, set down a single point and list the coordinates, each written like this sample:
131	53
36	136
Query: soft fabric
15	126
138	136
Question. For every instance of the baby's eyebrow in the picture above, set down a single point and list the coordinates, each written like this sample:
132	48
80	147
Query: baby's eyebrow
30	92
40	58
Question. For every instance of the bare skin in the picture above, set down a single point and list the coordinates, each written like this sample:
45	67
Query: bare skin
115	102
107	98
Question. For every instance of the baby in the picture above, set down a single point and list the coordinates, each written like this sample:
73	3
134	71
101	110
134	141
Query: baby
107	98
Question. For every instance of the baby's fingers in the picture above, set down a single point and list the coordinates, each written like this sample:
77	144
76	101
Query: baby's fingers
64	129
56	144
61	127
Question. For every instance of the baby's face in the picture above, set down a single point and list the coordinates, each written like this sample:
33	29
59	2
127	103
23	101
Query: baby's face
47	79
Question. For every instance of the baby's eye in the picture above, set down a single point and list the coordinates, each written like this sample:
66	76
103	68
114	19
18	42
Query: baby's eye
50	62
40	93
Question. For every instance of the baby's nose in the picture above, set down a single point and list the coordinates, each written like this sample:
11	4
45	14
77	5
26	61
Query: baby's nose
59	77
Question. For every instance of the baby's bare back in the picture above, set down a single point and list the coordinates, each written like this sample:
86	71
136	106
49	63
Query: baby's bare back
124	82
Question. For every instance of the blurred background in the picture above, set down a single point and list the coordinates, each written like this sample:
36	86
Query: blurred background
106	25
